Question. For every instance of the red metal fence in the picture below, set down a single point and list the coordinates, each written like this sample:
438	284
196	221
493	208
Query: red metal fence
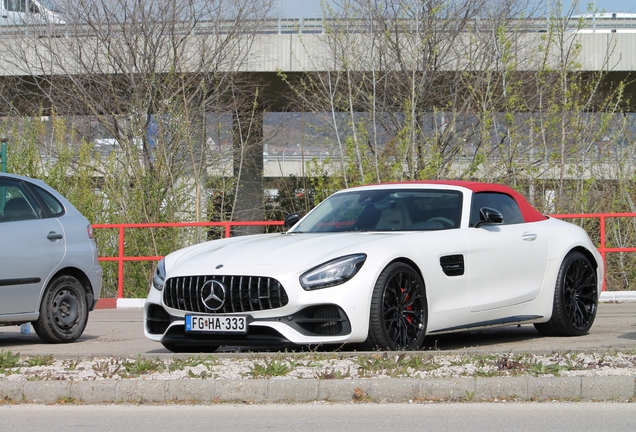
121	257
602	246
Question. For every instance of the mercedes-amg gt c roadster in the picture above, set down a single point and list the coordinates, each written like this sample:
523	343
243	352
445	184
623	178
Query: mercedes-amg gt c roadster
381	266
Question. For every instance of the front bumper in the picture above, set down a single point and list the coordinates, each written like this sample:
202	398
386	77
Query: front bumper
314	324
332	315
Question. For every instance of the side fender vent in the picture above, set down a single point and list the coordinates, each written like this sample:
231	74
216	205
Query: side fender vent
452	265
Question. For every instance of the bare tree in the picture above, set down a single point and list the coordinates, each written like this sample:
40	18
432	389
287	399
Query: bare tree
394	62
460	89
148	71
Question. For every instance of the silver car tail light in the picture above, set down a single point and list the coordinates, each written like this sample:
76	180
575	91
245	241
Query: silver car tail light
89	231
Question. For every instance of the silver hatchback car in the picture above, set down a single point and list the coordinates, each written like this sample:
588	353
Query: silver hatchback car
49	273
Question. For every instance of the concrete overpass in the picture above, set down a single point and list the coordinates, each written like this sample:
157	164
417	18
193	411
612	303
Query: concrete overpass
301	46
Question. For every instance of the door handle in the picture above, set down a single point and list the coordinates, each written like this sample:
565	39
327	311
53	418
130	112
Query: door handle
529	236
54	236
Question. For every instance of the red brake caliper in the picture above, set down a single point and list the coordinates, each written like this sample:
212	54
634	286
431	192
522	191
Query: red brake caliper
408	308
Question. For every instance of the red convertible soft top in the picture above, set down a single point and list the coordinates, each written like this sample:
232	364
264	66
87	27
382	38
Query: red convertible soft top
530	214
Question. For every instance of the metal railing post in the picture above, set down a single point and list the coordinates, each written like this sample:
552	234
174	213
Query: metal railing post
120	282
3	154
603	252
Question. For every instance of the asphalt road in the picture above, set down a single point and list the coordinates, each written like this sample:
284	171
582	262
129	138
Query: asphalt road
119	332
565	417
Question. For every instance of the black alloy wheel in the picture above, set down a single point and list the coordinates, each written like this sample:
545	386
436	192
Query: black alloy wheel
575	298
399	310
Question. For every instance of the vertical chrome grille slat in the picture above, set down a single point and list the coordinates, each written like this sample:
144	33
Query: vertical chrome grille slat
190	294
258	293
180	293
243	293
225	307
197	294
172	297
250	297
232	293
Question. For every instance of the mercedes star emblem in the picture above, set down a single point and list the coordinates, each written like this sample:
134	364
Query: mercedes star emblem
213	295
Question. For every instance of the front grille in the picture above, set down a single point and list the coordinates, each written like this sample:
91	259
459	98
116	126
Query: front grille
243	293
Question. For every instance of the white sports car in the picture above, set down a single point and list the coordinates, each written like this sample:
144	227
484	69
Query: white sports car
382	265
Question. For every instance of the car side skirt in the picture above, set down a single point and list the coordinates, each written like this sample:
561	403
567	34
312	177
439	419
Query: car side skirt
518	319
19	318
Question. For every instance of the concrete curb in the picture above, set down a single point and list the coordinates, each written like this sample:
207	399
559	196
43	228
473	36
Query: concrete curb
135	303
528	388
617	296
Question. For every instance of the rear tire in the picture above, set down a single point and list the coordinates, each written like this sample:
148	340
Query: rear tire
63	311
399	310
575	298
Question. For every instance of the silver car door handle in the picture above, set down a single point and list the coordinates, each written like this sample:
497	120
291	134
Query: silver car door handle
54	236
529	236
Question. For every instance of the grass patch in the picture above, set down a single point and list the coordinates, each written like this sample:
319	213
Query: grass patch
107	368
181	364
9	360
143	366
334	374
395	366
271	368
39	360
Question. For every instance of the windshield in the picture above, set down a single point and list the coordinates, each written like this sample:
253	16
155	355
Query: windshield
47	4
385	210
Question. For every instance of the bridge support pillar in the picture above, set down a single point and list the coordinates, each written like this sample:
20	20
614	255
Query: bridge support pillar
248	170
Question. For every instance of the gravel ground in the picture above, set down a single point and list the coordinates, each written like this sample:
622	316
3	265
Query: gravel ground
14	367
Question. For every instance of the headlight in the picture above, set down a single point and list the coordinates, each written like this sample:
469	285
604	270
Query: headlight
331	273
159	276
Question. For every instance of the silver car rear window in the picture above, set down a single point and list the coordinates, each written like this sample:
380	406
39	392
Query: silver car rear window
55	207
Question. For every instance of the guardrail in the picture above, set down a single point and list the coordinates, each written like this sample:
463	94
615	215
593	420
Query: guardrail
121	257
589	23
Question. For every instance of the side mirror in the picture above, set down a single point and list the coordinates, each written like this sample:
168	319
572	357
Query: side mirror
291	220
489	216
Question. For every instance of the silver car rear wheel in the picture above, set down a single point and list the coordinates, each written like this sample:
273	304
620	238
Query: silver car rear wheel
63	312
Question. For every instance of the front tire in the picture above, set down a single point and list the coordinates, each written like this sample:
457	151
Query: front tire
63	311
399	310
575	298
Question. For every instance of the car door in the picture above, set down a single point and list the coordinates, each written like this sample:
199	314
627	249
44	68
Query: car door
507	262
32	247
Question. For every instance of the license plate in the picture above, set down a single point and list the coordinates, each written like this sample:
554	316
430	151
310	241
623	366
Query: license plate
216	323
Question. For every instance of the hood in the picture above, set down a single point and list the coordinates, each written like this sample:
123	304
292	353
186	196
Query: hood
292	250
